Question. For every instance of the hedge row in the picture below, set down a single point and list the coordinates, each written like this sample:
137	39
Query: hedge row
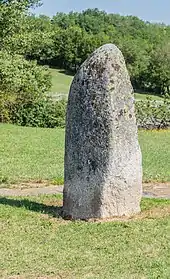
49	114
43	113
153	114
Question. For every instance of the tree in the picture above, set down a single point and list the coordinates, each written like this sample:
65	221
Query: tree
40	38
66	40
137	54
13	26
24	3
21	82
159	69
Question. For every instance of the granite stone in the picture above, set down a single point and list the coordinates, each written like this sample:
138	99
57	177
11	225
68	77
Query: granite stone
103	162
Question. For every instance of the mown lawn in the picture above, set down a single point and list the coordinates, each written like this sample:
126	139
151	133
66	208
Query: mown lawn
36	243
31	153
144	96
60	81
38	154
155	146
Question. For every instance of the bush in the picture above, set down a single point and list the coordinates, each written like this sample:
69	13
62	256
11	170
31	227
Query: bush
153	114
23	89
43	113
21	82
50	114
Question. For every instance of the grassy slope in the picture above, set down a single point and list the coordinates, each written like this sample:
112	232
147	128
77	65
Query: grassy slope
61	83
143	96
37	153
35	244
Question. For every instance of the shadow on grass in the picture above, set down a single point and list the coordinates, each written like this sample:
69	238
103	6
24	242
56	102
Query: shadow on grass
63	71
67	72
53	211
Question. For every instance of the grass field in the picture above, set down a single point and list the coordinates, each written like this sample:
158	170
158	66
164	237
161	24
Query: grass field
155	146
144	96
34	244
31	153
38	154
61	83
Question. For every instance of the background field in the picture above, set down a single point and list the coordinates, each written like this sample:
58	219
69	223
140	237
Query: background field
38	154
61	81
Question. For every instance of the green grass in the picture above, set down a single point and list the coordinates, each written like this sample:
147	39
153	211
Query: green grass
38	154
31	153
60	81
155	146
144	96
61	84
35	244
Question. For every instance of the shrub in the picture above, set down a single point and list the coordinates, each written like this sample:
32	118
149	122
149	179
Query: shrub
153	114
50	114
43	113
21	82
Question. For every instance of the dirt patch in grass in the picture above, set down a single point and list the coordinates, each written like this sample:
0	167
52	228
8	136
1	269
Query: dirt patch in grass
157	189
153	213
25	190
156	212
27	184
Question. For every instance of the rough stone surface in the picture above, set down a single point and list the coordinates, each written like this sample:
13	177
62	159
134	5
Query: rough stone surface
103	173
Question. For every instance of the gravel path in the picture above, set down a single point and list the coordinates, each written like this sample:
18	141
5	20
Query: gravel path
150	190
31	191
157	190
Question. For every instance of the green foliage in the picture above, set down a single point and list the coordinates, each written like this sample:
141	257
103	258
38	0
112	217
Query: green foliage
42	113
13	24
25	79
21	82
24	87
136	53
68	39
47	113
62	79
153	114
159	68
40	36
75	44
24	3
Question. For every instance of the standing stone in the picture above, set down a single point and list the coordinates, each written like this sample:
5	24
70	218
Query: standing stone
103	173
